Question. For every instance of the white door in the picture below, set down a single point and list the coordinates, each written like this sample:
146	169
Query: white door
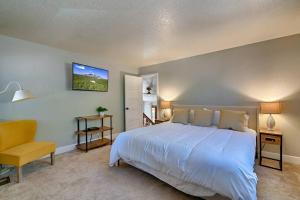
133	102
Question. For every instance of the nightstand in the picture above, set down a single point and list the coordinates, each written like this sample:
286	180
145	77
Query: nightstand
267	137
158	121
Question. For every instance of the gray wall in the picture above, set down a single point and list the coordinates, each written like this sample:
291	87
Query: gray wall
265	71
47	73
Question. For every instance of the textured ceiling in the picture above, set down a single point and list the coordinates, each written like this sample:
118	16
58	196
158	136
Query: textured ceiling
143	32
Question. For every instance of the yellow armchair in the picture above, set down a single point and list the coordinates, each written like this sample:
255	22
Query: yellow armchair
17	145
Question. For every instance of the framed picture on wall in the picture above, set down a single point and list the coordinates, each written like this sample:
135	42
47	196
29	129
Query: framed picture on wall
88	78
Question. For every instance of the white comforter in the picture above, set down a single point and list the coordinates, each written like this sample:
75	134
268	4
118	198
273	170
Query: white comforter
217	159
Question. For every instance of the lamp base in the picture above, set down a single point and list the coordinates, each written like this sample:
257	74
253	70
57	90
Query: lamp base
271	123
165	114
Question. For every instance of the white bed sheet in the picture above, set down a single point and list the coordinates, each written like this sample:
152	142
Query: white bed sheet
217	159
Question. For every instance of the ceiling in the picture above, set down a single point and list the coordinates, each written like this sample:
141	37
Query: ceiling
144	32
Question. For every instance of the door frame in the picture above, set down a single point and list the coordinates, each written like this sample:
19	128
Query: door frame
124	97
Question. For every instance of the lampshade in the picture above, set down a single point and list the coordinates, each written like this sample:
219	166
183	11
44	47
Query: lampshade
270	108
22	95
165	104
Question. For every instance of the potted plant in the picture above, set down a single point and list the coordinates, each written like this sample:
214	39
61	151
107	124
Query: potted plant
101	110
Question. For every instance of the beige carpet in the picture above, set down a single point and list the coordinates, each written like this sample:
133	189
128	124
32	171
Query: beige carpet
86	176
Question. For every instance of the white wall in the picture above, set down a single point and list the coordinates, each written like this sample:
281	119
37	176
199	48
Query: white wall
46	72
247	75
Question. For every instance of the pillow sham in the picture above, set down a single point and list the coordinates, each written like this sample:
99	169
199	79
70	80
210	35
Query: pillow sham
180	116
202	117
234	120
216	119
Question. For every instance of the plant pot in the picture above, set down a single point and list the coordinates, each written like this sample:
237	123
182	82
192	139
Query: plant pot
101	114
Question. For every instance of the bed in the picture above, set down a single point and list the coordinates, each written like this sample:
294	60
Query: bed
200	161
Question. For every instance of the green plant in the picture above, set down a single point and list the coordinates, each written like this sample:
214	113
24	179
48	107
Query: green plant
101	109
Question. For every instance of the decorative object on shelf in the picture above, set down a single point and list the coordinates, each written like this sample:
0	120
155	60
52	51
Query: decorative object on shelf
101	110
149	90
97	142
150	85
270	108
20	94
164	106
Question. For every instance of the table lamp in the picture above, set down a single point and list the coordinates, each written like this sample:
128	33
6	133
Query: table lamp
164	105
270	108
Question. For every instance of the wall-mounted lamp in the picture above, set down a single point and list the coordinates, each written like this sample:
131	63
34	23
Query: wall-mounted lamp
270	108
20	94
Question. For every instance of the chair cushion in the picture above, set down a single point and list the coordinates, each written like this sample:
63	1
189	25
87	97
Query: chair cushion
26	153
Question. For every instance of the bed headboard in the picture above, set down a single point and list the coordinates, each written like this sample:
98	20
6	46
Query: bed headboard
252	111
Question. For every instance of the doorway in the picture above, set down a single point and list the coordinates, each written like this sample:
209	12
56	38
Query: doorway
133	102
150	98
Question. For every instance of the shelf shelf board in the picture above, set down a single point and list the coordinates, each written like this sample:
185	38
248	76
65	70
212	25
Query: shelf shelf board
99	130
93	117
94	144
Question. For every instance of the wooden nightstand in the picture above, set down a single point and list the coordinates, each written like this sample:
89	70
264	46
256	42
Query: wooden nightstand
158	121
270	137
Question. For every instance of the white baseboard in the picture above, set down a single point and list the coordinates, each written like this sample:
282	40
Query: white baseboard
286	158
65	149
72	147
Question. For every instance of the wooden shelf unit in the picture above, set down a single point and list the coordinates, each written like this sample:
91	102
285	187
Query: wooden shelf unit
89	132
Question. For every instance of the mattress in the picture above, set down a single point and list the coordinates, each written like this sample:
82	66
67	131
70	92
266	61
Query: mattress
217	160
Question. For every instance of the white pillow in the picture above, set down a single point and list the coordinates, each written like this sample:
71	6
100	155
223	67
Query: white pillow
203	117
181	116
216	119
232	119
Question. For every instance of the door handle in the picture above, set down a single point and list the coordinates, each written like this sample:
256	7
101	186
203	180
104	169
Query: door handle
126	108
